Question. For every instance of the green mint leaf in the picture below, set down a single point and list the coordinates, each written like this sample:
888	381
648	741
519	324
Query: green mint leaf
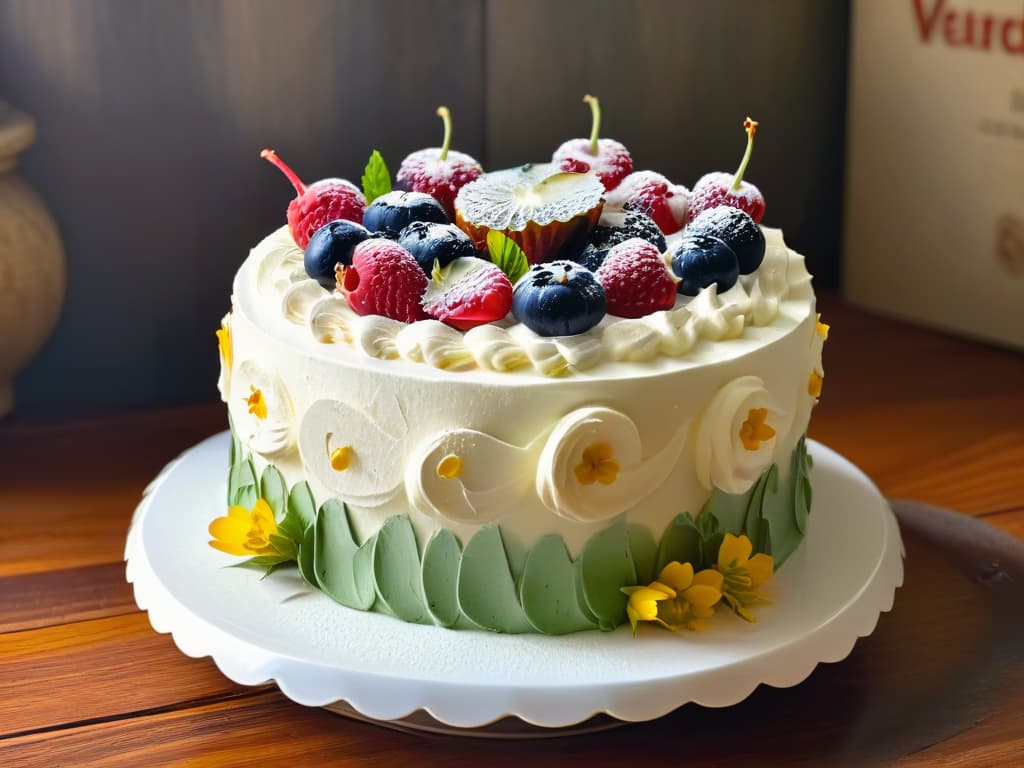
376	178
507	255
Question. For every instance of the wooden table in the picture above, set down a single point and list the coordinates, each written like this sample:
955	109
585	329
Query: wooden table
85	681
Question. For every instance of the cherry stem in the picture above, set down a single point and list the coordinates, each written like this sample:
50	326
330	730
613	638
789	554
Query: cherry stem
446	117
750	126
271	156
595	125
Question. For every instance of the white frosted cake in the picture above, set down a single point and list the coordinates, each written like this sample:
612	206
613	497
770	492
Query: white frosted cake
548	440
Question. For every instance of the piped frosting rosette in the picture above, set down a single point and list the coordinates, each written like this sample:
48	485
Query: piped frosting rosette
350	454
468	477
593	468
737	434
261	409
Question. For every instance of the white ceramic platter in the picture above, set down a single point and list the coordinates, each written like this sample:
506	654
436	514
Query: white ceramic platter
828	594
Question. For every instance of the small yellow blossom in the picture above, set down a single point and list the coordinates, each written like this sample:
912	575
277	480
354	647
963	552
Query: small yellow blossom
598	465
814	384
256	402
679	598
449	467
224	343
754	431
341	458
821	328
742	574
244	532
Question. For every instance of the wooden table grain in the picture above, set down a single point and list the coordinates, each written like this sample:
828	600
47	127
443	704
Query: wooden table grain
85	681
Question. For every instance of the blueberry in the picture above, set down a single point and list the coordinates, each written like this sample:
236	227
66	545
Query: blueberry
429	241
701	260
393	212
618	227
331	245
736	229
559	298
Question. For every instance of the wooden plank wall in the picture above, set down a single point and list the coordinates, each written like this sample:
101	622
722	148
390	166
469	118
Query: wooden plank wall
151	116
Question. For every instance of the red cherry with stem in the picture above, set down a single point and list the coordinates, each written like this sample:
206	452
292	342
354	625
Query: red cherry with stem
319	203
609	159
715	189
438	172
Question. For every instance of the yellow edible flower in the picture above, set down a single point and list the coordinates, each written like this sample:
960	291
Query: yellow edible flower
743	574
245	532
598	465
224	343
821	328
257	404
679	598
754	431
814	384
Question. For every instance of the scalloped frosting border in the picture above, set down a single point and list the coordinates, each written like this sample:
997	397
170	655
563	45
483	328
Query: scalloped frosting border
492	582
507	346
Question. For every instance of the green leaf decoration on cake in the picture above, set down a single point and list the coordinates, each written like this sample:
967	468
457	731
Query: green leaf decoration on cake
487	592
755	527
507	255
548	589
710	537
680	543
235	451
607	566
334	557
301	512
265	563
243	488
396	570
802	499
362	574
274	491
306	557
439	577
376	178
644	550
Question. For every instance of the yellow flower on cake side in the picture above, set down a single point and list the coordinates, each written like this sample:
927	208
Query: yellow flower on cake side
678	598
245	532
598	465
742	574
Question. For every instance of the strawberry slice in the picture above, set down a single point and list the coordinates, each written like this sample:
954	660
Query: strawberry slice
468	292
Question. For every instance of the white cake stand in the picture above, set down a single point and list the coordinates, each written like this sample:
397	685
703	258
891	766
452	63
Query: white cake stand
830	593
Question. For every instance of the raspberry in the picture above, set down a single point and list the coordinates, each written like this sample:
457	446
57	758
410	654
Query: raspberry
653	194
383	279
715	189
467	293
438	172
322	201
636	280
609	159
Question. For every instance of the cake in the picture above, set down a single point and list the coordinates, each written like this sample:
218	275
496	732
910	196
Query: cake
520	428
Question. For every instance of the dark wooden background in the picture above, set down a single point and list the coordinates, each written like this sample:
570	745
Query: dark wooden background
151	116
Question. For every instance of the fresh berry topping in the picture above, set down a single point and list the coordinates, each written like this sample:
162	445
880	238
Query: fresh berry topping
393	212
616	227
431	242
636	280
468	292
331	245
737	230
438	172
609	159
592	257
383	279
702	260
320	202
547	213
656	196
560	298
715	189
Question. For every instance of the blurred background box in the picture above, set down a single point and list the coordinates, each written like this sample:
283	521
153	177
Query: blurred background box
934	218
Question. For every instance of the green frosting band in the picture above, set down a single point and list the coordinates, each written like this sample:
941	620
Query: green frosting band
496	583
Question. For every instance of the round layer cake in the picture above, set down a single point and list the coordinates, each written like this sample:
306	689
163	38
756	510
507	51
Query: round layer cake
498	478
